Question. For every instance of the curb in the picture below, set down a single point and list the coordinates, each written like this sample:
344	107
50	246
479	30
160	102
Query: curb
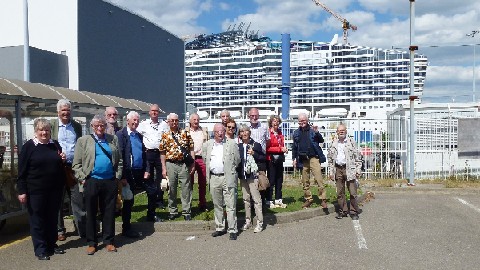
199	225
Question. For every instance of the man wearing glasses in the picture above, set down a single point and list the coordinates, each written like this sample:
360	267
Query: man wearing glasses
222	157
307	155
172	156
111	115
199	136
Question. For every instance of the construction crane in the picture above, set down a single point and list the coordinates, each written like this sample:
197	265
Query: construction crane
346	25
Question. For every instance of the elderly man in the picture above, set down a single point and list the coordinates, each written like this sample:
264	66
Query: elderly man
134	164
175	146
344	164
199	136
66	131
224	115
222	157
307	155
152	135
97	164
260	134
111	115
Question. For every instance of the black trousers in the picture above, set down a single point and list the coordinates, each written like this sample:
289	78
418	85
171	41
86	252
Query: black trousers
43	211
103	194
154	167
275	177
135	177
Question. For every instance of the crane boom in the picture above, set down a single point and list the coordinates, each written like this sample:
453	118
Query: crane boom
346	25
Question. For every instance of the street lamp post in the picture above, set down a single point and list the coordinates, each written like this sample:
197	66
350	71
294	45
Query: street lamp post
474	32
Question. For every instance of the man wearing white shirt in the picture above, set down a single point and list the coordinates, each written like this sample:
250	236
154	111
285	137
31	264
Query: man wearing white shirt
222	157
345	167
152	130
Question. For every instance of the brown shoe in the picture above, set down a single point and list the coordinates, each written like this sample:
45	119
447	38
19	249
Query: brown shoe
111	248
307	204
91	250
324	204
61	237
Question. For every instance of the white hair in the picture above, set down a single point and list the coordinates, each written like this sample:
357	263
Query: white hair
302	114
63	102
132	114
171	115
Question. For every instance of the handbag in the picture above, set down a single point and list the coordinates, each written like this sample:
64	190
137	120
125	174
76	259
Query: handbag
70	180
187	158
263	183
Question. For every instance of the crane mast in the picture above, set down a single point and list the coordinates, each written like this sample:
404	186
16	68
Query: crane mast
346	25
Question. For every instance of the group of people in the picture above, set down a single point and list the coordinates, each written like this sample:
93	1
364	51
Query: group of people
113	160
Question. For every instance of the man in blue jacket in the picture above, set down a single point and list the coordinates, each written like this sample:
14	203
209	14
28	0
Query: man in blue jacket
134	165
307	155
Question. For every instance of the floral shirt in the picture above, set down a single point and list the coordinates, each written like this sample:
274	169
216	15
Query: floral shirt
171	149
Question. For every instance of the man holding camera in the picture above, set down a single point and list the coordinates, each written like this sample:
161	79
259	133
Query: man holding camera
307	155
176	154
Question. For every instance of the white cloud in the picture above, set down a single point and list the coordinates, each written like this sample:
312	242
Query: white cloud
178	17
224	6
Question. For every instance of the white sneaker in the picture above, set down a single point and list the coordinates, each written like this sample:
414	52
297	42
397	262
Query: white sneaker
279	203
258	228
270	204
247	225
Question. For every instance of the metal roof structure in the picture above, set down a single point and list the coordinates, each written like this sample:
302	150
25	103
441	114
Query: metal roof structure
41	97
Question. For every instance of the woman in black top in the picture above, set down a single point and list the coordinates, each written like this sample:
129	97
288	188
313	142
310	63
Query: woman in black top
41	180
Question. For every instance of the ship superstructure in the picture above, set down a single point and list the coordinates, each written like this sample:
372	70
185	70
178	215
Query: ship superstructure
235	71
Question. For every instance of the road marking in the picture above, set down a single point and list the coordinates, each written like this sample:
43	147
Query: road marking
14	242
469	205
362	243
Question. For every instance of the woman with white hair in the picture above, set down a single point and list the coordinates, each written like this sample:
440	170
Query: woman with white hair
252	160
40	184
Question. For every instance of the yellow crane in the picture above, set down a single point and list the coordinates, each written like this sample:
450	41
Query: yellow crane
346	25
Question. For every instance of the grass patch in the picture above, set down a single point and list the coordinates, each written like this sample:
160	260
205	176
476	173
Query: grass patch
462	182
292	196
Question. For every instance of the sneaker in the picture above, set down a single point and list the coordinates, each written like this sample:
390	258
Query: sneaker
247	225
279	203
271	204
258	228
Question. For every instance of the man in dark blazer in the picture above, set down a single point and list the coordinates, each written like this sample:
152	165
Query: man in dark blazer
67	131
134	159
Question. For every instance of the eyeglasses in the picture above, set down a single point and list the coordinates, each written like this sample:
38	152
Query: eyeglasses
173	120
231	127
112	114
253	116
98	126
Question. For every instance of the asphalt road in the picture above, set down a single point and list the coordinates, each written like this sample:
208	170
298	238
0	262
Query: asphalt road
397	230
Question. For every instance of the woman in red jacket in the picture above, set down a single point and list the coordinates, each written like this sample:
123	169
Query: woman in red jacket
276	151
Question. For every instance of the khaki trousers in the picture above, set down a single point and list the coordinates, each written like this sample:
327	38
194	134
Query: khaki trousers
312	165
223	195
250	190
178	175
341	181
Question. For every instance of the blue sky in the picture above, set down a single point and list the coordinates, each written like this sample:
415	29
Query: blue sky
381	24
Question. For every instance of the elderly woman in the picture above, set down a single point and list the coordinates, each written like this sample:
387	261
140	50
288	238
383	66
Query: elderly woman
97	165
249	149
276	151
41	180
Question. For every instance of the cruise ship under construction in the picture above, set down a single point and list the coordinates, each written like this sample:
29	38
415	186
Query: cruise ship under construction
236	71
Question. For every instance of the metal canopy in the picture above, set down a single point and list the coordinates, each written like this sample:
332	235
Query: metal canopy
45	96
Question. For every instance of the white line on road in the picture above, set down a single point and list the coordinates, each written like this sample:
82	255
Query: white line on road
362	243
469	204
